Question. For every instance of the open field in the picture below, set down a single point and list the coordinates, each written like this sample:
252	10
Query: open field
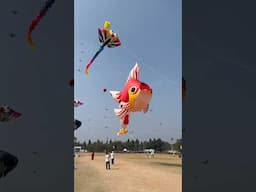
131	173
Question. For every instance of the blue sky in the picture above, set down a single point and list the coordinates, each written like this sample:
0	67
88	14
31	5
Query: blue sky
151	34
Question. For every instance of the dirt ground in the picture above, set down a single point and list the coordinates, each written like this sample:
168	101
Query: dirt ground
131	173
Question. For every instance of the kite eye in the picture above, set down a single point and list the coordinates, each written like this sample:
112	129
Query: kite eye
133	89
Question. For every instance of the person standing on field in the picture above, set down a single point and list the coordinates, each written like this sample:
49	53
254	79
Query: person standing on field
93	155
112	157
107	160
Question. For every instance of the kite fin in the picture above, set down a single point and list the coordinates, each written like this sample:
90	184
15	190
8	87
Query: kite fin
134	73
116	95
122	131
121	112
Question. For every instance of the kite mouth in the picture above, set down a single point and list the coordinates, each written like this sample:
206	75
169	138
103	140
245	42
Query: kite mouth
142	100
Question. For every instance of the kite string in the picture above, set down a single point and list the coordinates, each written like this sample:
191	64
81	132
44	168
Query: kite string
134	56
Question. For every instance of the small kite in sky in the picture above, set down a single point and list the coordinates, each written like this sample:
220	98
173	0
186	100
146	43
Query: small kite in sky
7	163
14	12
77	124
107	38
37	19
205	162
8	114
77	103
12	35
134	97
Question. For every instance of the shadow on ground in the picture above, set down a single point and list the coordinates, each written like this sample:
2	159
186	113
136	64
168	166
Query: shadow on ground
167	164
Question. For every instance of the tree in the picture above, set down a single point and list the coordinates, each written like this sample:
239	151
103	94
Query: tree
84	145
177	144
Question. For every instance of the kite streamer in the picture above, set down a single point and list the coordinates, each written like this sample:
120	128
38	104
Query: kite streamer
37	19
91	61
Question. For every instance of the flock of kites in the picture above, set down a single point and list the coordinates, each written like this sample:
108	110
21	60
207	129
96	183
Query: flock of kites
134	97
8	161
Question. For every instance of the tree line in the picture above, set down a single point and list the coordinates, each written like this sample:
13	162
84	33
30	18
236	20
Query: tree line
131	145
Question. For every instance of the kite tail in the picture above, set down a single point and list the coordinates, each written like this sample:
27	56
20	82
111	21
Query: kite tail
30	40
87	67
91	61
36	20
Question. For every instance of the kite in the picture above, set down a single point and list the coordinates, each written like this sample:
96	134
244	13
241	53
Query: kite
107	38
12	35
134	97
7	163
184	89
77	124
14	12
37	19
77	103
8	114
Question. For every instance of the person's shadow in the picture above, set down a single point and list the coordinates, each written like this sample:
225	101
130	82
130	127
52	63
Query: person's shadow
114	168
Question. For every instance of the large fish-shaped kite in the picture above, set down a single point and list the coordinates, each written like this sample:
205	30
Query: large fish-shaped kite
107	38
7	163
37	19
134	97
8	114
